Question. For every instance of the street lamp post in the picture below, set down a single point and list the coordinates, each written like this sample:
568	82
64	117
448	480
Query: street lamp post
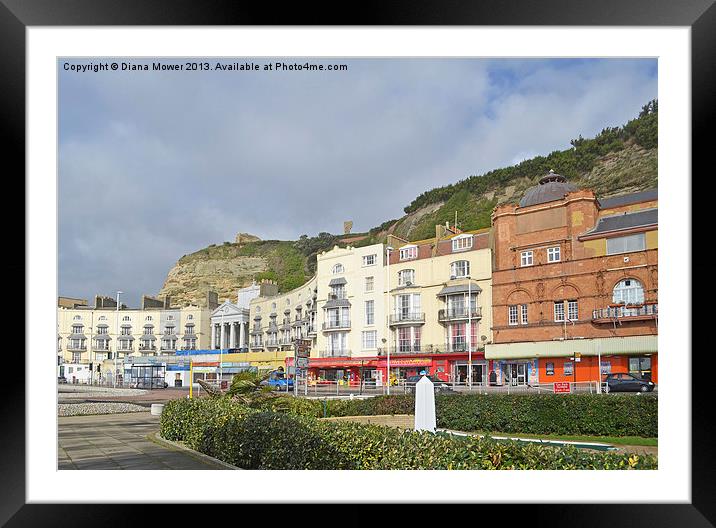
221	348
469	332
116	340
388	249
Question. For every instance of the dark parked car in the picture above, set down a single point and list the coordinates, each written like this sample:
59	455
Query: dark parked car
61	379
623	382
438	385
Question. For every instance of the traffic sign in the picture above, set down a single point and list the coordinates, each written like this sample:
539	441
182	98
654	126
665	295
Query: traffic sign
302	362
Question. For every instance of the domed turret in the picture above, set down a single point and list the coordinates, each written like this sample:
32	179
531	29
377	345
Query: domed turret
551	187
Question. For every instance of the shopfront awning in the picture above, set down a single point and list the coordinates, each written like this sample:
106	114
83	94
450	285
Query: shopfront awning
607	346
341	362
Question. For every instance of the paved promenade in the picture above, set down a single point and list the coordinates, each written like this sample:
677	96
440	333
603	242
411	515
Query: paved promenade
119	441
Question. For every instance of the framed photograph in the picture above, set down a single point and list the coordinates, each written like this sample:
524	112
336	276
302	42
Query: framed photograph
434	202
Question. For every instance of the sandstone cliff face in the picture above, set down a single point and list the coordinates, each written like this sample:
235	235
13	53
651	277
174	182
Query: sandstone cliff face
222	269
189	280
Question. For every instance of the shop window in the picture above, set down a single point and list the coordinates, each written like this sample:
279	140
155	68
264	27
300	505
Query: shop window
550	369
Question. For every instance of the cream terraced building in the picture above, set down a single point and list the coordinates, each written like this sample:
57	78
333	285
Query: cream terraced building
92	335
351	302
276	320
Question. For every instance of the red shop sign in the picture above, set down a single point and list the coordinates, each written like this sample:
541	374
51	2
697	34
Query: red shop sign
562	386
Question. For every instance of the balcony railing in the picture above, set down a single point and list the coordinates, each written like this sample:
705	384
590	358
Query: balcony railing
336	325
344	352
255	346
458	314
76	348
419	348
406	318
104	347
611	313
148	348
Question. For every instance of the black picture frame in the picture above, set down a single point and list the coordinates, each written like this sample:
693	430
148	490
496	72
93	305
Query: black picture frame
699	15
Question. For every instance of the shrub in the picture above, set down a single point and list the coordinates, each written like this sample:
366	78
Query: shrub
569	414
268	440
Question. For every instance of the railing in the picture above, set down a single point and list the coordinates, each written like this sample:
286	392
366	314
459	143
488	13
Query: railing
456	314
420	348
406	317
619	312
335	325
77	348
335	353
143	347
101	348
256	345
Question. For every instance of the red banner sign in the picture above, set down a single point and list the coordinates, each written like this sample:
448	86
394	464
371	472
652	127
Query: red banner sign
562	386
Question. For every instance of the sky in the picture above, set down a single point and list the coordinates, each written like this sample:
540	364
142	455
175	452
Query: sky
154	165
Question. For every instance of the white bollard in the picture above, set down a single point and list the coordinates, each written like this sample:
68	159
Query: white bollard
157	409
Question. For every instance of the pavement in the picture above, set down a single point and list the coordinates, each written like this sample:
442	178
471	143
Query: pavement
120	441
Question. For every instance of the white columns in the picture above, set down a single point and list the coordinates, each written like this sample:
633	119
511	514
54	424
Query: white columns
242	335
213	336
232	335
223	336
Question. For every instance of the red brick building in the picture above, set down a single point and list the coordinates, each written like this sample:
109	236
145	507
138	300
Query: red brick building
574	279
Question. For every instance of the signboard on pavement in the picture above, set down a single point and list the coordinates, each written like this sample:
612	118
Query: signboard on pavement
562	386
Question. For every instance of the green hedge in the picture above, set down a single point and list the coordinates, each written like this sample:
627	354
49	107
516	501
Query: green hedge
568	414
267	440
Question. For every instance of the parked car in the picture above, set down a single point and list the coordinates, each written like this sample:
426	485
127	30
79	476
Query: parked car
278	381
438	385
623	382
61	379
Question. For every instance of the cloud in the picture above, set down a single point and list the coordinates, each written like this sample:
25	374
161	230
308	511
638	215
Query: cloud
156	165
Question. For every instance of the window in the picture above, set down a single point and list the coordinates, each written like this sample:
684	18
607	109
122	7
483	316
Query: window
190	317
102	318
461	268
626	244
513	315
558	311
461	242
77	329
370	339
77	318
126	318
526	258
572	310
549	367
523	314
148	318
568	368
370	312
170	317
148	330
408	252
553	254
338	291
369	284
406	277
628	291
369	260
102	330
409	339
126	330
338	268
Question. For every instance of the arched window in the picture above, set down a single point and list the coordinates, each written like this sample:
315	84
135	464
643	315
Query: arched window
148	318
338	268
628	291
77	318
102	318
126	318
459	269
